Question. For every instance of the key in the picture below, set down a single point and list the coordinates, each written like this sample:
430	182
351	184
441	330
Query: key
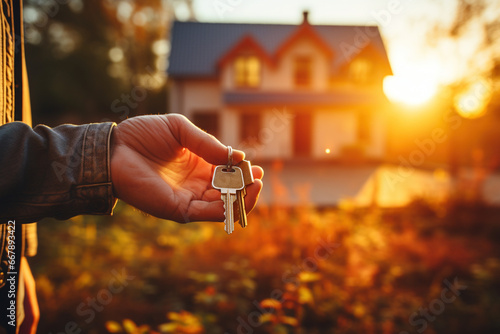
228	181
240	209
246	168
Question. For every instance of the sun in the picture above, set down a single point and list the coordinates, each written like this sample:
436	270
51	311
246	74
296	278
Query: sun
473	102
413	90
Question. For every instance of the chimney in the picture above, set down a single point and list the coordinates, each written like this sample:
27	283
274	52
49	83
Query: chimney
305	15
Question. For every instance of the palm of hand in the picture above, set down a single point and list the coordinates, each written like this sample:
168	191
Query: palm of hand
153	171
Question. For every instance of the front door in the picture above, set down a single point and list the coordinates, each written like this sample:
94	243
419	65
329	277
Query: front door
302	134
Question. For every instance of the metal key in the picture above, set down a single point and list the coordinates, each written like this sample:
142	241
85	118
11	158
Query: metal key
246	168
228	181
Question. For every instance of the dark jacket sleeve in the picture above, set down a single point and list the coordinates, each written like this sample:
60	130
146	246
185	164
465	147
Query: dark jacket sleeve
60	172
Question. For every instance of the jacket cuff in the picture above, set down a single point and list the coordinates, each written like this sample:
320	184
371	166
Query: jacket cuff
96	189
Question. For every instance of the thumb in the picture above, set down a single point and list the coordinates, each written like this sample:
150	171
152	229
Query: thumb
201	143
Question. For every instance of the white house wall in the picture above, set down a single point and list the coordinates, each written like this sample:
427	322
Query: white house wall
275	135
377	145
333	130
229	127
200	96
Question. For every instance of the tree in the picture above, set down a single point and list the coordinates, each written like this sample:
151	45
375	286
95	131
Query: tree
99	59
473	35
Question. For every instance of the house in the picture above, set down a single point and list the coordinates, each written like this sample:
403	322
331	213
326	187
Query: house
287	92
303	101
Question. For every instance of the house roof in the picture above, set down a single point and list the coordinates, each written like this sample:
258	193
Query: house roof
197	47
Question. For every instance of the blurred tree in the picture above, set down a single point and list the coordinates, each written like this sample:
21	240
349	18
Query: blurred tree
97	60
472	35
480	16
471	40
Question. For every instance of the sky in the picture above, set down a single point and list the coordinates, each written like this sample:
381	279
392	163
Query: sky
321	11
404	24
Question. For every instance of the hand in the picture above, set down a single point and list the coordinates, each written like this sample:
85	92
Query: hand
163	165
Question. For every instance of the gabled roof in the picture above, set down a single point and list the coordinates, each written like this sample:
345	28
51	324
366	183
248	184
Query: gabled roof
197	47
305	30
246	43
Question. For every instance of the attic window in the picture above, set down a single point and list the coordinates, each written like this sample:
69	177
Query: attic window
302	71
247	71
360	71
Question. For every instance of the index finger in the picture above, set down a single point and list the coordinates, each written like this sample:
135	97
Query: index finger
201	143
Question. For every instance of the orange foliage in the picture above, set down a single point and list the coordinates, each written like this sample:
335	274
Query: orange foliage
292	271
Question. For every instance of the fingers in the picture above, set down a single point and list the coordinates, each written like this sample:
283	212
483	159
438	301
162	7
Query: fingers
253	192
212	209
258	172
211	195
201	143
205	211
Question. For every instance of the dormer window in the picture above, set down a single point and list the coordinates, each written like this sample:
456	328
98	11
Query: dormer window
360	71
303	71
247	71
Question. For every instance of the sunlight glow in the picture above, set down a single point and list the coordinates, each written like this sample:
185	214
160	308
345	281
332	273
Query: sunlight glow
473	102
328	151
413	91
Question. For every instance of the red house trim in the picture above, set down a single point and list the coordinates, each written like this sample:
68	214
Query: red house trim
307	32
246	45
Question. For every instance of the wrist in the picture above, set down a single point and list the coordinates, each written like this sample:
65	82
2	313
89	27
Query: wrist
112	148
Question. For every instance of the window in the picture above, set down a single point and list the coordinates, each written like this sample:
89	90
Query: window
250	128
302	135
303	71
247	71
360	71
207	121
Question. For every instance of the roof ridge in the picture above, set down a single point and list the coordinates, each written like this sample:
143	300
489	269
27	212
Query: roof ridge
278	24
197	47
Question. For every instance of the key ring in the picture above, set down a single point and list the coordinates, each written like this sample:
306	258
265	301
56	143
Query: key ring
229	157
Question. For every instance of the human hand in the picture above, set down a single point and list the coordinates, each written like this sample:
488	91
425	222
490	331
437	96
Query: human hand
163	165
